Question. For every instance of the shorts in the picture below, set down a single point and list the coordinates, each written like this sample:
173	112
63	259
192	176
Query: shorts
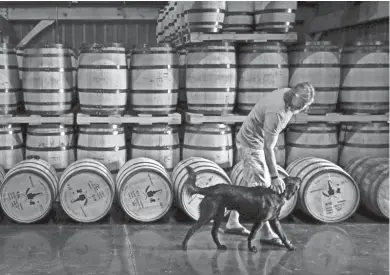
255	171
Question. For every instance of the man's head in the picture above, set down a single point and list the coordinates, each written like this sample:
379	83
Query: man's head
300	97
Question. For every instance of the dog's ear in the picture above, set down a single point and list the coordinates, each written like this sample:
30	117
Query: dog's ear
191	173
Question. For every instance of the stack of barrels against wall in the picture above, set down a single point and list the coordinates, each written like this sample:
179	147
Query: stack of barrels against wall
178	18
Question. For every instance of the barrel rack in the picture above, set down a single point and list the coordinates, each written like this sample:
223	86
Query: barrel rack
192	118
82	119
198	37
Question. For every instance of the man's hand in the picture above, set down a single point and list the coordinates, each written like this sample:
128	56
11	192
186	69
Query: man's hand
278	184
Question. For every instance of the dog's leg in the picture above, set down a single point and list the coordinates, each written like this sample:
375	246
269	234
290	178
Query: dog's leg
255	228
207	211
277	228
217	223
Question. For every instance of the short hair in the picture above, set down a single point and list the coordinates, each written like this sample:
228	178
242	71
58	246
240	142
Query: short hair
305	91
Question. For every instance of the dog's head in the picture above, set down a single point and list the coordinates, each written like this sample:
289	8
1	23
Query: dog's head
292	186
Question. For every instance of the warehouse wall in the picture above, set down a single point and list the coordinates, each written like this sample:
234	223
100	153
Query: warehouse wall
377	30
76	33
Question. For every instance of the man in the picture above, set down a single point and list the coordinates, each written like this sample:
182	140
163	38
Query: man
256	141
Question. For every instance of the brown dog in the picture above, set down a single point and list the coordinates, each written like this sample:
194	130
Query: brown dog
261	204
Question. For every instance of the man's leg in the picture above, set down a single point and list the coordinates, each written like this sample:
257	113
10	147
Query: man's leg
233	225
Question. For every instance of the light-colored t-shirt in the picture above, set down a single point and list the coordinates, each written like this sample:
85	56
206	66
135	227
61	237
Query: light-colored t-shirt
268	115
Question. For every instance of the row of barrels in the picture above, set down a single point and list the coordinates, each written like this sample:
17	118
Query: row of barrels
224	16
214	78
145	191
61	145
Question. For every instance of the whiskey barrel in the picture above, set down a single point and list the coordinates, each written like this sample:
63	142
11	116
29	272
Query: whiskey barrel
53	143
262	68
372	176
180	23
237	178
364	84
144	189
317	62
105	143
312	140
239	16
172	17
209	141
327	192
208	173
158	142
211	78
363	140
10	86
11	145
154	79
28	191
275	16
19	57
102	79
86	190
205	16
279	150
47	79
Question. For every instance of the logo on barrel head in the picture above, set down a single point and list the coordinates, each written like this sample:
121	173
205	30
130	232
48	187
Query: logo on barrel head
31	196
331	191
150	193
81	197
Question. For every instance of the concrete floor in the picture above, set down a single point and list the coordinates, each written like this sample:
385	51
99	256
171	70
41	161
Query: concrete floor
154	249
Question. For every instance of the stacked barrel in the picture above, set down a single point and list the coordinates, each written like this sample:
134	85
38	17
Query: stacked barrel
364	89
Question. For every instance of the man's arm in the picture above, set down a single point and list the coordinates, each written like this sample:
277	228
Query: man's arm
271	129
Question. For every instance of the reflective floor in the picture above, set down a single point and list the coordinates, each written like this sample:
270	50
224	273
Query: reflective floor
154	249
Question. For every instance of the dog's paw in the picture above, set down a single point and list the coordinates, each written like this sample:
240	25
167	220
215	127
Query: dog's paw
222	247
253	249
291	247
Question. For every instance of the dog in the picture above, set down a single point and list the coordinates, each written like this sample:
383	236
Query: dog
260	203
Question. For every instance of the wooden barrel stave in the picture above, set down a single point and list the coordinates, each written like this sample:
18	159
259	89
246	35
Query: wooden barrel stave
262	68
209	141
206	170
239	16
275	16
279	150
211	78
105	143
53	143
364	84
10	86
144	189
363	140
237	179
47	80
28	191
312	140
372	176
19	57
182	75
102	79
157	142
327	192
86	190
319	64
204	16
11	145
154	79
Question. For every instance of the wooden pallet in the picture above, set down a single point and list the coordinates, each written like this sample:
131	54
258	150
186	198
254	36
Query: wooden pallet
174	118
36	119
197	37
192	118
